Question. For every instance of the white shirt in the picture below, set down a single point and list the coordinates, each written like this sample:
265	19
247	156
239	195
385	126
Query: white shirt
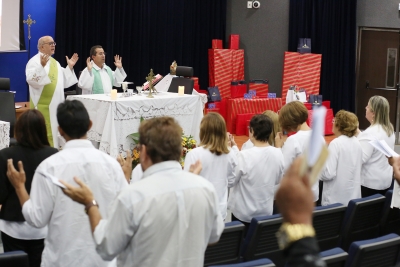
137	173
219	170
69	241
294	146
259	170
376	173
246	145
86	79
342	172
165	219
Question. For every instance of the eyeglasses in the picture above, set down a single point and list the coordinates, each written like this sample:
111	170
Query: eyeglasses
102	53
50	43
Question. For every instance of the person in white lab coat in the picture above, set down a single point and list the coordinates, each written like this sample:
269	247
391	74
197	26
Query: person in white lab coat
342	173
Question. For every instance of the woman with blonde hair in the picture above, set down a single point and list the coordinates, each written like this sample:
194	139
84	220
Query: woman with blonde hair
275	129
376	173
218	161
342	173
292	118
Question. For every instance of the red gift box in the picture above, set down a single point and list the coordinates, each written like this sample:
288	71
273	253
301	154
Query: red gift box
208	110
238	89
308	106
216	44
247	127
197	87
241	123
196	80
234	41
224	66
303	70
327	104
237	106
260	86
328	121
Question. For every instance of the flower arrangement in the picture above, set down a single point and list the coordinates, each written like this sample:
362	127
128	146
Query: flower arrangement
135	156
188	143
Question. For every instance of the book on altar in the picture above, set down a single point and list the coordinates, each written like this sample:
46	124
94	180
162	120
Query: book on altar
156	79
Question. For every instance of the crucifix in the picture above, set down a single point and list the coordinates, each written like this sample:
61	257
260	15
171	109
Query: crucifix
150	79
29	22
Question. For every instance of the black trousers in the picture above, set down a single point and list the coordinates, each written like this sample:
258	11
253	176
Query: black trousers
246	224
366	192
33	248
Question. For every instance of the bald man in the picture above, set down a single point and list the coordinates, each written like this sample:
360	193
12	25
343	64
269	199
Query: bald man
47	80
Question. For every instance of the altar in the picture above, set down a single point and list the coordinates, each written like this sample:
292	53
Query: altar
114	120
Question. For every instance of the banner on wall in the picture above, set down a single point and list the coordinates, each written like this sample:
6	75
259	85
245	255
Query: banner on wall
11	26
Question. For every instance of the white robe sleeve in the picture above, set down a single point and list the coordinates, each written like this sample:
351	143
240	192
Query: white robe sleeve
330	170
36	75
86	80
366	147
69	77
218	225
119	75
239	168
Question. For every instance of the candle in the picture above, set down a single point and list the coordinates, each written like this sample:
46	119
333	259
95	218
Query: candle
181	90
113	94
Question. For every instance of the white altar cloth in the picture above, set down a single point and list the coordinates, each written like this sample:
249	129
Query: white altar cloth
4	134
114	120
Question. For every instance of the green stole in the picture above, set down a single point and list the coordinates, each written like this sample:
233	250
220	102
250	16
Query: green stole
97	84
46	97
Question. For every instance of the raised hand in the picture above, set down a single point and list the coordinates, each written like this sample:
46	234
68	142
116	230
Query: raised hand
126	165
88	64
118	61
72	61
43	59
196	167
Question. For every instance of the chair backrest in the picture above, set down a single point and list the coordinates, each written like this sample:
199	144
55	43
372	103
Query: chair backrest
5	84
13	259
7	110
381	251
255	263
228	247
390	220
335	257
181	81
260	241
327	222
361	220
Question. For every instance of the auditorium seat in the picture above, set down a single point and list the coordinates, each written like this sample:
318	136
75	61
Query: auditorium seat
327	222
260	241
228	247
361	219
390	221
335	257
14	259
381	251
255	263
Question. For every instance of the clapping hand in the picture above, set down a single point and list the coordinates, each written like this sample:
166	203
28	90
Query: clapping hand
72	61
118	61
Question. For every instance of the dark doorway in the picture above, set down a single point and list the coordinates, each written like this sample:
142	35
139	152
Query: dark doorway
377	69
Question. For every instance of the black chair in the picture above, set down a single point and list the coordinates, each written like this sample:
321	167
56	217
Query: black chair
73	90
381	251
7	113
4	84
228	247
183	79
255	263
390	221
260	241
335	257
14	259
327	222
361	220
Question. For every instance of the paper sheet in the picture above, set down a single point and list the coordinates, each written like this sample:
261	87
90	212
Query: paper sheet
52	178
383	147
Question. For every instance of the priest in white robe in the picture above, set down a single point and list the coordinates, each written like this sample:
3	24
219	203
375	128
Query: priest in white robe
97	77
47	80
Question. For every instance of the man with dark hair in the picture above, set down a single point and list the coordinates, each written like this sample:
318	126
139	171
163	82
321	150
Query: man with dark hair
69	242
166	219
97	77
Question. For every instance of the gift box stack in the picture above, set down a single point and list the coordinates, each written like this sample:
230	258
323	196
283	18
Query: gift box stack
302	70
